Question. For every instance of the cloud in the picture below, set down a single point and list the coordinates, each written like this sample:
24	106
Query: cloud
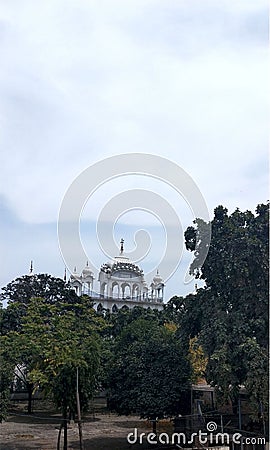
81	81
38	242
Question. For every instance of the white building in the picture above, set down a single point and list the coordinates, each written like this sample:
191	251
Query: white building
121	283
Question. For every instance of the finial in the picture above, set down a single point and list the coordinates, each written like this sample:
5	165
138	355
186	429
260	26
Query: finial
87	264
157	272
122	246
65	275
75	269
31	267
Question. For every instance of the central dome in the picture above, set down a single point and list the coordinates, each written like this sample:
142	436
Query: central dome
121	266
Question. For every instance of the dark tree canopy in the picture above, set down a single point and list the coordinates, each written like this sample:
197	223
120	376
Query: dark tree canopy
43	285
230	315
19	292
150	371
118	321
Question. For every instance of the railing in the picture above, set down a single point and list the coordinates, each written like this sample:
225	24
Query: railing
137	298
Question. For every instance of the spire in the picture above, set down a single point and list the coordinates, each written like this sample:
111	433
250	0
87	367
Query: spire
87	264
122	246
75	269
31	268
65	275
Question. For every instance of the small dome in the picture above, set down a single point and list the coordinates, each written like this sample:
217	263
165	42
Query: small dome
157	278
87	272
75	276
106	267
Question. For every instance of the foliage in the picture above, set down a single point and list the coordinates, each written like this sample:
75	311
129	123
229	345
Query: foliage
19	292
230	315
6	375
53	341
198	360
118	321
149	371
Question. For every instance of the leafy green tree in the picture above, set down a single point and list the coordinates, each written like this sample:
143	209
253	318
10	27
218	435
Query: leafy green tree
18	293
198	360
52	343
118	321
186	312
231	312
6	376
150	371
63	340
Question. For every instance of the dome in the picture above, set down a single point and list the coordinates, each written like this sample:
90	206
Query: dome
87	272
75	276
157	278
121	257
121	266
122	263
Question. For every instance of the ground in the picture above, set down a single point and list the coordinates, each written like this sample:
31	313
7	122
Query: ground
101	430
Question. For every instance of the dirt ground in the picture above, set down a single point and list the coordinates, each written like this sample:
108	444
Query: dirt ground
101	431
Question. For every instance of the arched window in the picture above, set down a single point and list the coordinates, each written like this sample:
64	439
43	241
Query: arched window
115	290
136	292
126	291
99	307
103	290
125	308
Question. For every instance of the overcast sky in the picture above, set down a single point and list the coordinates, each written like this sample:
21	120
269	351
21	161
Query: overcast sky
84	80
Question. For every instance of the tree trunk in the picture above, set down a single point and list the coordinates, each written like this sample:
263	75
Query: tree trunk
65	427
59	436
30	397
239	413
79	411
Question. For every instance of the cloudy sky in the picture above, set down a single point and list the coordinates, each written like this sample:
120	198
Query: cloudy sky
81	81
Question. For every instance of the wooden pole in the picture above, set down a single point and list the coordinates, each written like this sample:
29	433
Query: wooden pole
79	410
65	427
59	436
239	413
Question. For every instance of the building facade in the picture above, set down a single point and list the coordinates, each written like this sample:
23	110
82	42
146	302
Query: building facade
121	284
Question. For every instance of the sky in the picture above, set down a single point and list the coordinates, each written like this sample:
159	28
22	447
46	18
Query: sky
82	81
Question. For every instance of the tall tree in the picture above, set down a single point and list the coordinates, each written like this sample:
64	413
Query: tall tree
6	375
232	309
150	371
19	294
52	342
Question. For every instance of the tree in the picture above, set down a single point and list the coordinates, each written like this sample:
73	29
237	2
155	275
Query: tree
6	374
150	371
19	292
118	321
53	343
198	360
232	310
